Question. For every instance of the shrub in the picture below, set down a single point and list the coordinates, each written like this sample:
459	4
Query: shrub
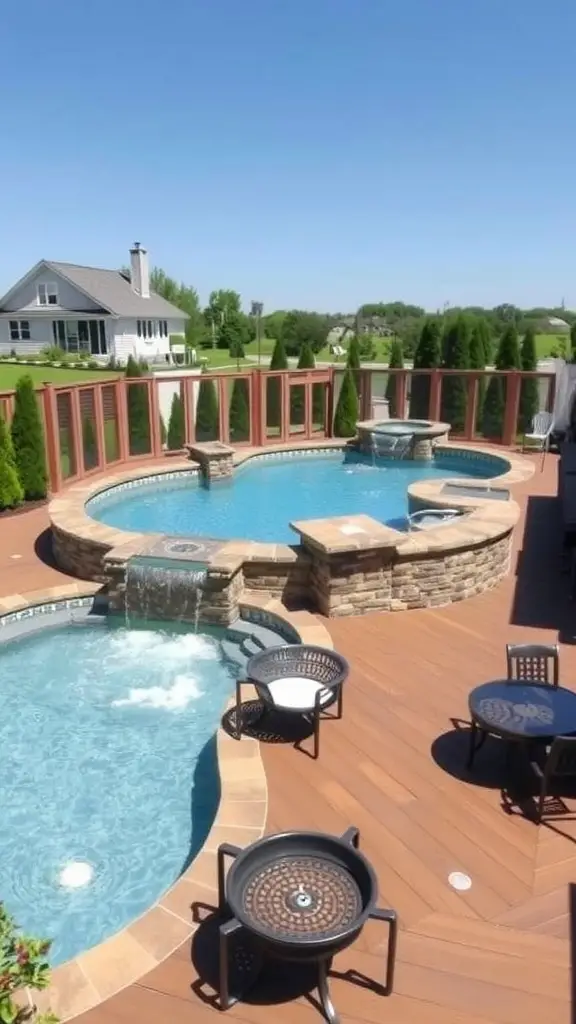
279	361
138	411
207	421
529	395
426	357
507	358
239	415
53	353
456	345
163	431
353	356
89	445
396	362
28	440
23	966
478	362
11	490
306	361
176	424
346	416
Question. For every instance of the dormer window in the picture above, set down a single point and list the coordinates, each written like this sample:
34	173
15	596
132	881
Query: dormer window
47	294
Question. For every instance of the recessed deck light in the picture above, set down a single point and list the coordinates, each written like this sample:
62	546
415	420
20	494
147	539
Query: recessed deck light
75	874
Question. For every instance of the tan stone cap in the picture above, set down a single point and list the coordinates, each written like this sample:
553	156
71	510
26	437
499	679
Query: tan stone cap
345	533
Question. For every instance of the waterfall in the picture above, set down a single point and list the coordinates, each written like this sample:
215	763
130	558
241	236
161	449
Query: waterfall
159	589
389	445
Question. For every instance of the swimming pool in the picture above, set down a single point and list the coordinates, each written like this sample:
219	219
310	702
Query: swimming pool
266	493
108	773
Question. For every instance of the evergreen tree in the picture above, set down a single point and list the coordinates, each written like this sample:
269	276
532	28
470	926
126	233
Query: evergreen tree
346	415
456	346
239	414
572	353
28	441
176	424
353	355
11	490
89	445
138	409
529	397
279	361
396	362
427	356
478	362
232	334
163	432
207	420
507	358
306	361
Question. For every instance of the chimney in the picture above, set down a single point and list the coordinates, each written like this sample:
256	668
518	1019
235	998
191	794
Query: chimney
139	271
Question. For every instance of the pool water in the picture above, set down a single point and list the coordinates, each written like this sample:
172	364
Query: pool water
265	495
108	764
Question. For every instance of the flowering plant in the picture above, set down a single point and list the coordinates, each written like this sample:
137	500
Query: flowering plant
23	966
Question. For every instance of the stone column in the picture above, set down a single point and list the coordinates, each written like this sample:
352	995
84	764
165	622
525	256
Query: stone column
216	460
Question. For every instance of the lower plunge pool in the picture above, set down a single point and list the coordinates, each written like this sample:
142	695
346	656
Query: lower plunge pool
108	773
267	493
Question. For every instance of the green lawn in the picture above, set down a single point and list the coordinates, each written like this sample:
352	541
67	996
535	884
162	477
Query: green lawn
546	343
11	372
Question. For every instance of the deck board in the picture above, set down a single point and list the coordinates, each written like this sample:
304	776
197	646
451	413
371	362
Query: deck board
497	954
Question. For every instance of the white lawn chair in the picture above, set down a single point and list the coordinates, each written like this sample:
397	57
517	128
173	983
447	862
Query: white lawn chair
539	435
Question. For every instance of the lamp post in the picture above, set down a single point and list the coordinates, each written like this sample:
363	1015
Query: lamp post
256	311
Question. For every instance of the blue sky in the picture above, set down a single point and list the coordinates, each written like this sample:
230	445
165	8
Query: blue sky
311	153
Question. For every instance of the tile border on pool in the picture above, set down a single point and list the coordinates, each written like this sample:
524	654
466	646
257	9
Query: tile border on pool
93	976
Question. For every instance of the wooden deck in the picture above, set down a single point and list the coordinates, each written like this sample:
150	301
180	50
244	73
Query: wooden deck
499	953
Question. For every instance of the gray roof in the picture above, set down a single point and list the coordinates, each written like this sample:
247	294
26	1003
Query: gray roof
112	290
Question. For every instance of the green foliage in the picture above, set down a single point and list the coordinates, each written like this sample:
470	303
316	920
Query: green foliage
456	356
346	415
89	444
300	327
232	334
186	298
11	490
481	328
306	361
176	424
239	414
279	361
23	965
529	396
396	362
507	358
138	409
353	355
272	324
28	441
478	362
573	342
207	419
427	356
54	354
163	431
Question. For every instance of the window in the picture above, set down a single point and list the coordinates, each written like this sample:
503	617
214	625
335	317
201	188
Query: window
152	328
47	295
19	330
81	336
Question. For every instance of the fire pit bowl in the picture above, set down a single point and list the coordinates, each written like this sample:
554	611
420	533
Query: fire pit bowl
300	896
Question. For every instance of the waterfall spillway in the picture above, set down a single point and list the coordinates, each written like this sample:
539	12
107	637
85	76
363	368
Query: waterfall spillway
164	589
390	446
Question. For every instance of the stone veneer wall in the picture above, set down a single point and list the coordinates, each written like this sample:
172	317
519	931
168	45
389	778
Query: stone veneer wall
79	556
359	582
219	605
286	580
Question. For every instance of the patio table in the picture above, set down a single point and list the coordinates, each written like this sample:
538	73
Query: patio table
520	712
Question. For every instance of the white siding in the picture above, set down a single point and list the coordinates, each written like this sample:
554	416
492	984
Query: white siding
69	297
127	343
41	333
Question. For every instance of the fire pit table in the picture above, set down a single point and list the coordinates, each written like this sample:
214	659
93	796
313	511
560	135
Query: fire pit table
296	679
301	897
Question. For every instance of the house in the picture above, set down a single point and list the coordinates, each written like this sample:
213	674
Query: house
89	312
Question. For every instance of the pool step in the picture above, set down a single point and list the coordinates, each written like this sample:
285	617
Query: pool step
245	639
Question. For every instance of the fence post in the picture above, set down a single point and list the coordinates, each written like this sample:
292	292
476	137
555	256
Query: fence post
223	424
308	410
513	383
99	421
122	414
401	376
257	429
77	436
154	413
188	404
52	438
284	405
